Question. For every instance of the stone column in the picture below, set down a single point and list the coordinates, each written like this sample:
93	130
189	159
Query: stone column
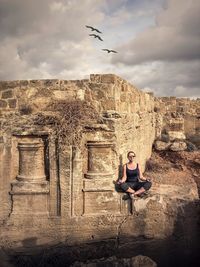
30	189
31	159
99	196
99	159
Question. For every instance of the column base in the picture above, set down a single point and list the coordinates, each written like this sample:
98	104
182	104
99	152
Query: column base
30	198
96	175
29	187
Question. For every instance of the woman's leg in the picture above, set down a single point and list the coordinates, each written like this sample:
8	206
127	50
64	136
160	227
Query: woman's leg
127	187
140	191
142	187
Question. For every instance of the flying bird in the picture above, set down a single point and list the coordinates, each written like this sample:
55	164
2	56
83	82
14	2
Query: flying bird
92	28
96	36
109	50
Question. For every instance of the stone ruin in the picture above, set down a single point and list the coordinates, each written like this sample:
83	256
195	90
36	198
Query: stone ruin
178	123
71	198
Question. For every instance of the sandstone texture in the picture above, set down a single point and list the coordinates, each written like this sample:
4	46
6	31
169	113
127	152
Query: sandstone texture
50	195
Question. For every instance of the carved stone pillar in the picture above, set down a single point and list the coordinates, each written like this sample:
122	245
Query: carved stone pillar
30	189
31	159
99	159
99	196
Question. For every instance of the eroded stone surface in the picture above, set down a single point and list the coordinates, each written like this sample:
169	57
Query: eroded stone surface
71	197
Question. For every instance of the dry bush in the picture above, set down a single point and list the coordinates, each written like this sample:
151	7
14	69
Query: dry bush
67	120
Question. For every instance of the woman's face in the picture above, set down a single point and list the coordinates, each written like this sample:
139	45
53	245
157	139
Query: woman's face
131	157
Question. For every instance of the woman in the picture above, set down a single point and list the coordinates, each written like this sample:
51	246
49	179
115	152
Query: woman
131	174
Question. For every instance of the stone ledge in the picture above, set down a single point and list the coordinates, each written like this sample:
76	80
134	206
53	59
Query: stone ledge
29	187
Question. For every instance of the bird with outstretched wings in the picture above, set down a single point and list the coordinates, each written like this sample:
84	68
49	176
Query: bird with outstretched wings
96	36
109	50
93	29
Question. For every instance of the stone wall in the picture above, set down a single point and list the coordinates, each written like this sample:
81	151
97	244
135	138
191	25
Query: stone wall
49	196
71	196
177	119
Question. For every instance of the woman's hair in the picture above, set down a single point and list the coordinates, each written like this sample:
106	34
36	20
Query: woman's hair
130	153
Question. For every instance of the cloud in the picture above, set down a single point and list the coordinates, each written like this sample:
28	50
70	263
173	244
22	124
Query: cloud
176	36
158	41
39	38
163	78
166	56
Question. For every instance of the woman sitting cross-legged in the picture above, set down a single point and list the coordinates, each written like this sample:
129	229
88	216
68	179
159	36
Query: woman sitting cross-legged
131	174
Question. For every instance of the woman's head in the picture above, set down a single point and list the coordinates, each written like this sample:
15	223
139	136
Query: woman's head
131	155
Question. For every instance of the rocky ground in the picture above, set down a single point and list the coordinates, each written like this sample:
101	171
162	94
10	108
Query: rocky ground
174	167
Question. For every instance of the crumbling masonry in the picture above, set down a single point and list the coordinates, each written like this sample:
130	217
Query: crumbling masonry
71	197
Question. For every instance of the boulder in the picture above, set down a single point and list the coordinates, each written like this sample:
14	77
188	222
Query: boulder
178	146
174	135
160	145
143	261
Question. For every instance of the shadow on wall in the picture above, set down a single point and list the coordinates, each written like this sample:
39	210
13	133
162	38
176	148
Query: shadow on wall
180	249
120	167
120	174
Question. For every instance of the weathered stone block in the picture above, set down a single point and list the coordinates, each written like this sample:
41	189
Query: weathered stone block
12	103
105	78
176	126
108	104
150	93
7	94
36	83
99	202
178	146
181	109
99	157
160	145
24	83
28	204
173	135
3	104
52	84
5	85
81	83
64	95
123	97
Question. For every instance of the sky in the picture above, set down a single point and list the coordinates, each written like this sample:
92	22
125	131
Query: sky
158	42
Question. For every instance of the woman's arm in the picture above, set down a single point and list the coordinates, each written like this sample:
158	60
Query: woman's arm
141	175
124	177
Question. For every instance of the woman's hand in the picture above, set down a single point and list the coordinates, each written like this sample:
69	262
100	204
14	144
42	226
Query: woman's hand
148	179
119	181
143	178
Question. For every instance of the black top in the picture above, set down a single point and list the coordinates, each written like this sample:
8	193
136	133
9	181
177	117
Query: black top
132	175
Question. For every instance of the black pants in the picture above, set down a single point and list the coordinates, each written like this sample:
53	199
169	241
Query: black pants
136	185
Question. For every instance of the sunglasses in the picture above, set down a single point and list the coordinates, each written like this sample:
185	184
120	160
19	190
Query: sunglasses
131	156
